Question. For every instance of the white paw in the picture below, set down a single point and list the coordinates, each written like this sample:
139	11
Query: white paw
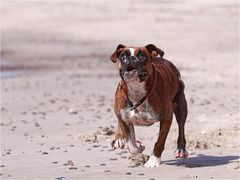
153	161
118	143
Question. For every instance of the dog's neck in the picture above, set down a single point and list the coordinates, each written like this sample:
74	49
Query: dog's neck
136	90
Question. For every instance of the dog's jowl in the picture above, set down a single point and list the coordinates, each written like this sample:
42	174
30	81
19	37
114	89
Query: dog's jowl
150	91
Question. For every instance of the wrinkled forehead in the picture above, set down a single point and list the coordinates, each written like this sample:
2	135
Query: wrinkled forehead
133	51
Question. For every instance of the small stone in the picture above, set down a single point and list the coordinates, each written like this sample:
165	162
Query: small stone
103	164
113	159
87	166
72	111
34	113
109	133
128	173
105	129
70	163
52	101
36	124
44	153
124	157
24	122
61	178
72	168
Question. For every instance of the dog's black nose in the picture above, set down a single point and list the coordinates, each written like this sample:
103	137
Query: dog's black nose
132	58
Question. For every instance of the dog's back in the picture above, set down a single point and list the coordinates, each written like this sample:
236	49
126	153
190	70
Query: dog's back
170	75
161	62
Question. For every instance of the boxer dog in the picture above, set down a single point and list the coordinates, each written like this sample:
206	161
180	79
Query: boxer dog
150	90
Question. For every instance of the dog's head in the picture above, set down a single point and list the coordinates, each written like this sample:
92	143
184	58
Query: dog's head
135	63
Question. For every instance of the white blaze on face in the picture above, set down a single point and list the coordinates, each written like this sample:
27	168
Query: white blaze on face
131	51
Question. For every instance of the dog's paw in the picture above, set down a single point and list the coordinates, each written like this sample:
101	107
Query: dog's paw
135	147
153	161
181	153
118	143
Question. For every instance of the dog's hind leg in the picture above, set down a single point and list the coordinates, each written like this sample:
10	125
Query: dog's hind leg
180	112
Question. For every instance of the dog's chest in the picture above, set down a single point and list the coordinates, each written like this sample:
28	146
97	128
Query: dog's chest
145	114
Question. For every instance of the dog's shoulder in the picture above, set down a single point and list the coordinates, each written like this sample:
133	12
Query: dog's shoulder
163	65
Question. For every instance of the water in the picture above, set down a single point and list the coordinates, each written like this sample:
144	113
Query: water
8	70
6	74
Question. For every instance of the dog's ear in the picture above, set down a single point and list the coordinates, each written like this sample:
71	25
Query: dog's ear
117	52
154	51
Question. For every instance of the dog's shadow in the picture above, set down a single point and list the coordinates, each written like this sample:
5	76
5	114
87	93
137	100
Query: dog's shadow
202	161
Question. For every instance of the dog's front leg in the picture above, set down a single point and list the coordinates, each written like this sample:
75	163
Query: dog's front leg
121	135
132	146
125	134
155	158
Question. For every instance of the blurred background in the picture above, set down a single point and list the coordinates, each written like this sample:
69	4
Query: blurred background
200	37
58	84
45	33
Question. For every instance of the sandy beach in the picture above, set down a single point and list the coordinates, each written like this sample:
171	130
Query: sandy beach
58	86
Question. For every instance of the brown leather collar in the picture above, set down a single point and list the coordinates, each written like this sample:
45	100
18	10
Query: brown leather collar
135	106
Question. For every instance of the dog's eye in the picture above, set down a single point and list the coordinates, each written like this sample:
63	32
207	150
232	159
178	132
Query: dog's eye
123	56
141	57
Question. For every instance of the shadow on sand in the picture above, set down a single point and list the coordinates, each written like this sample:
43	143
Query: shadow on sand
202	161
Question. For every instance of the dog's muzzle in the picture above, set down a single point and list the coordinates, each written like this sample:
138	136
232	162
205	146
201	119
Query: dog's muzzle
133	70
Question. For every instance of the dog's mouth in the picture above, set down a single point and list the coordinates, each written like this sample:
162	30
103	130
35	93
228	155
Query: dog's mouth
130	75
131	68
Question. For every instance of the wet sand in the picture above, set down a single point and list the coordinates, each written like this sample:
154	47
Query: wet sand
57	120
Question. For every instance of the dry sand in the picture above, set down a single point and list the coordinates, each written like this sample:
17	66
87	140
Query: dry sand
57	116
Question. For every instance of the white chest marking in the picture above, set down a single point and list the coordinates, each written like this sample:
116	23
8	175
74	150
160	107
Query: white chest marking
146	115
